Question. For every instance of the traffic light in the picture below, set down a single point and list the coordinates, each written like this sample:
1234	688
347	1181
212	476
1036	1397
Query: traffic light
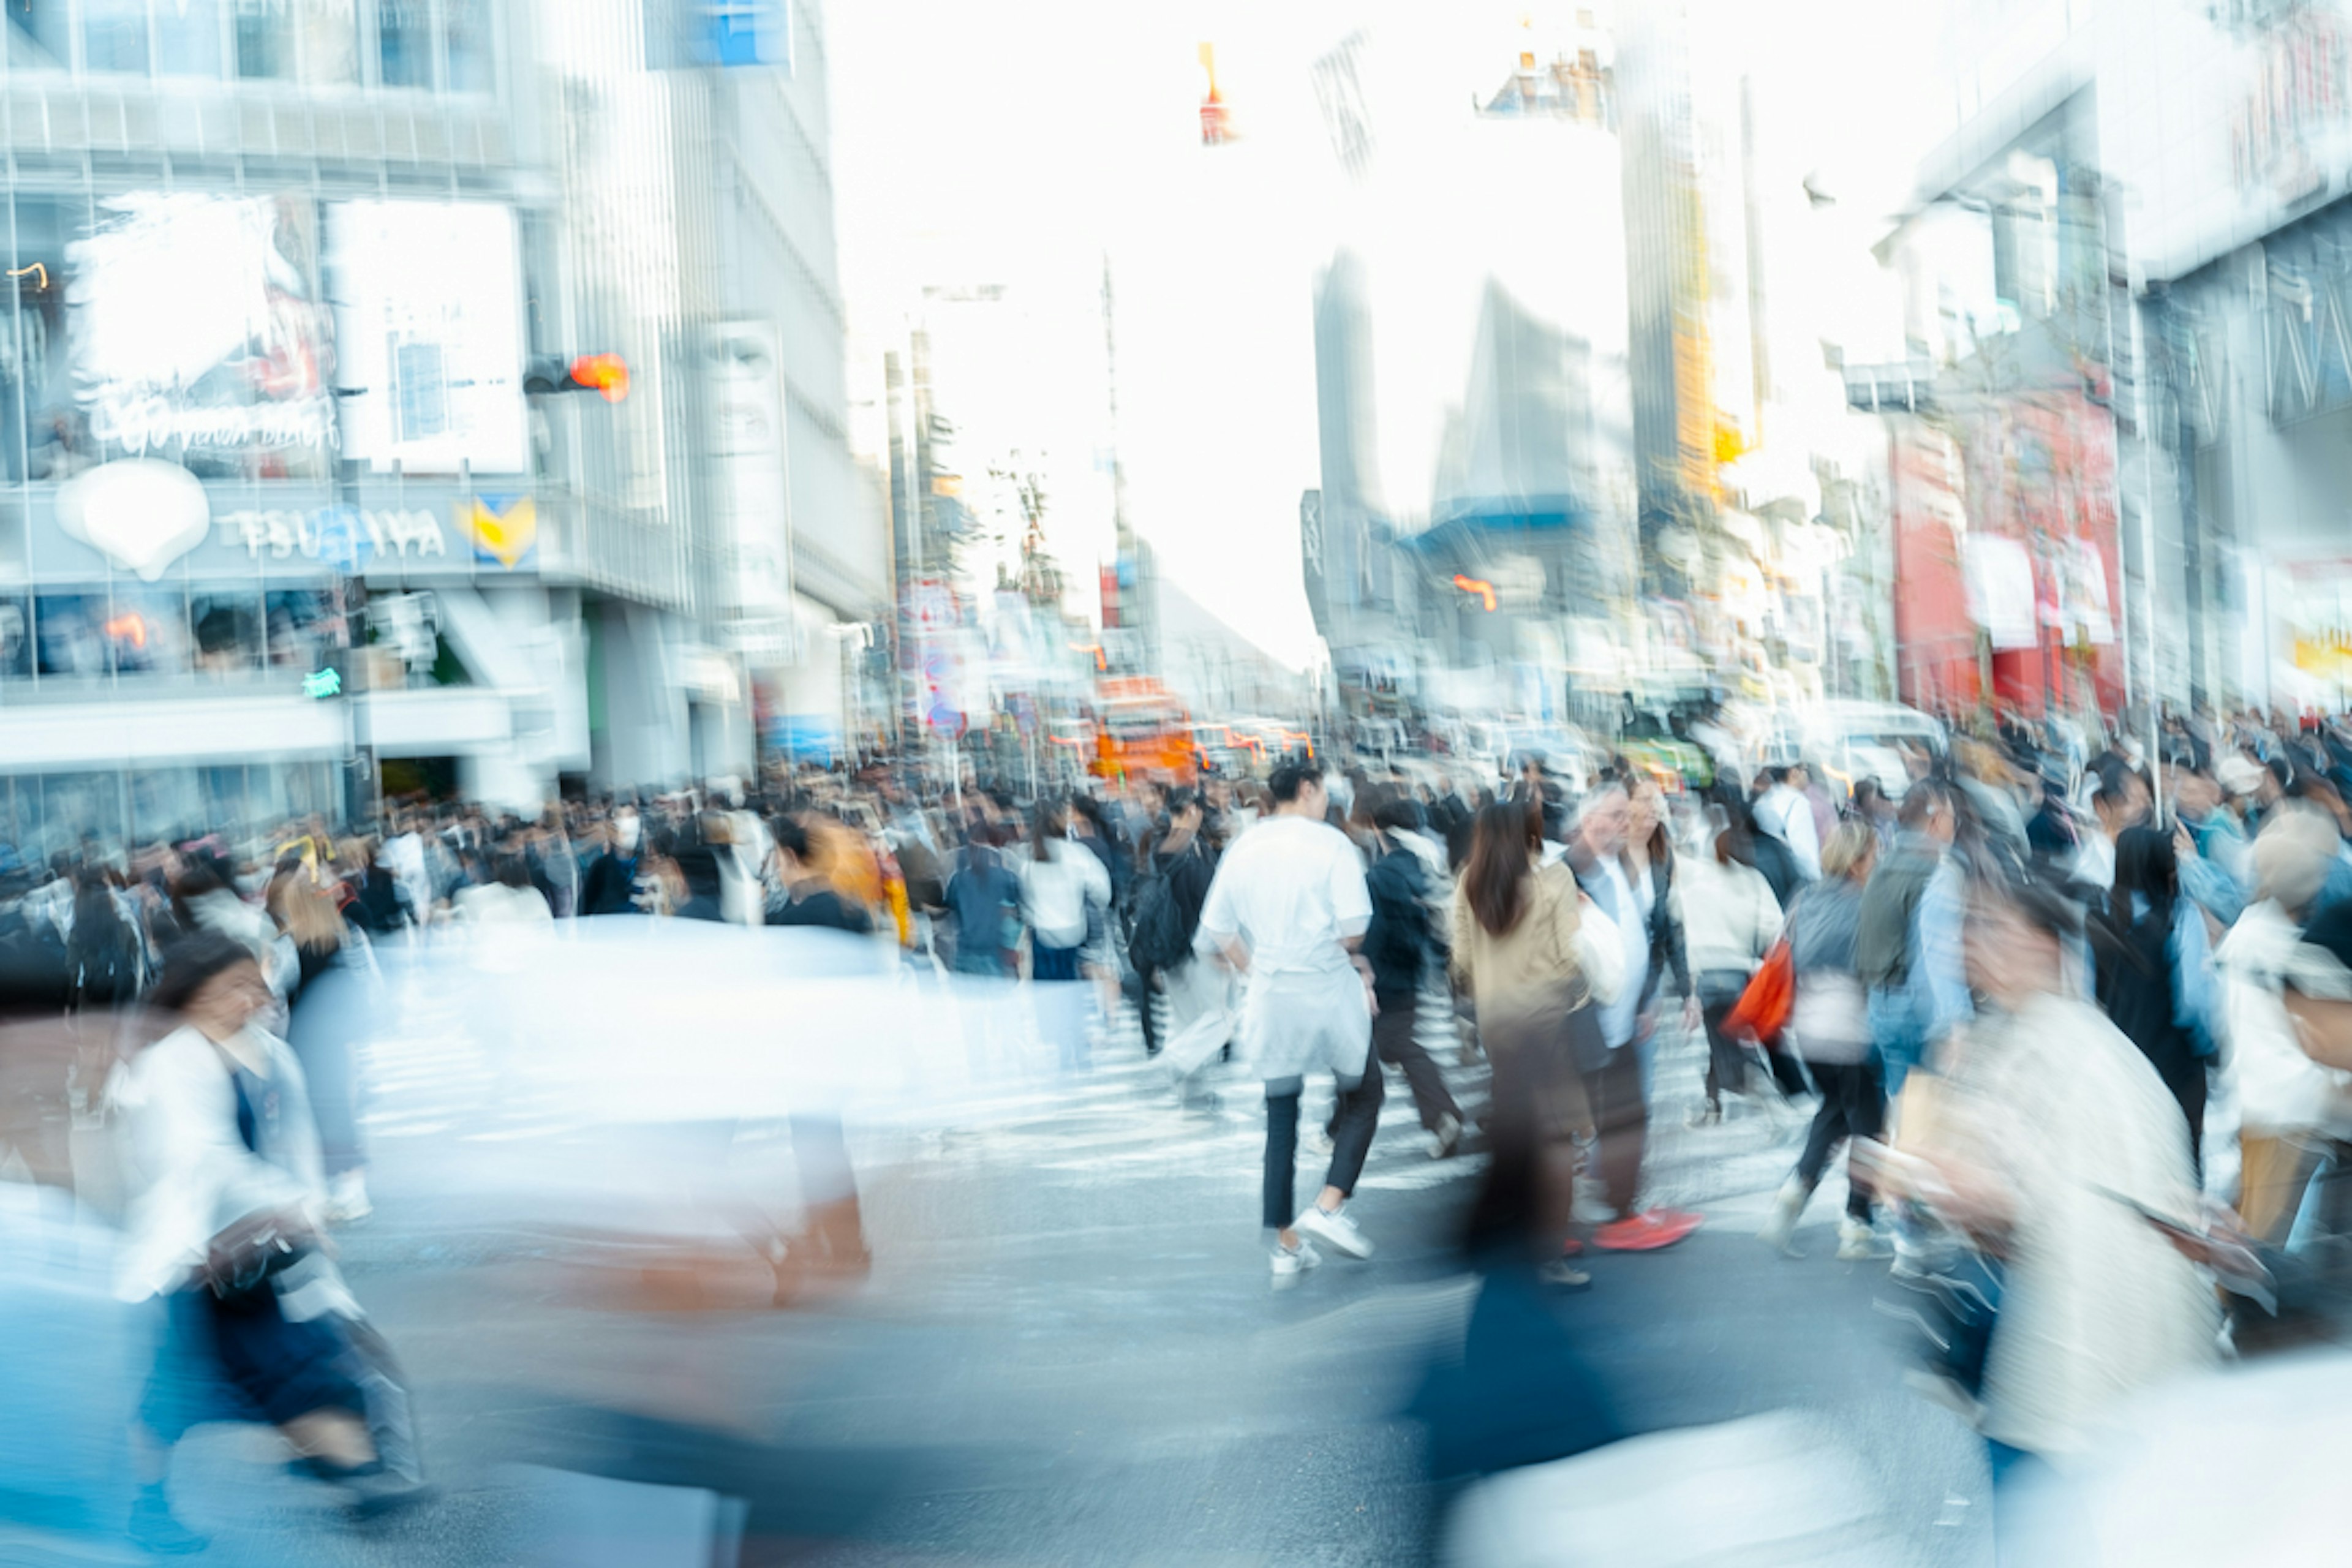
605	375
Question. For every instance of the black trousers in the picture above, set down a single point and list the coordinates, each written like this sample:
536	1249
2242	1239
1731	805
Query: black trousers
1354	1119
1727	1060
1393	1037
1620	1124
1853	1105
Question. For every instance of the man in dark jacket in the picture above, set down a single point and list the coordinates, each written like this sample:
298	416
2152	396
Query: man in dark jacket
611	885
1400	943
983	905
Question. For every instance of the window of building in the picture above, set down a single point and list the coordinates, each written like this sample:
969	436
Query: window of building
466	32
15	640
114	36
304	629
146	631
313	41
66	632
404	32
39	35
187	37
227	630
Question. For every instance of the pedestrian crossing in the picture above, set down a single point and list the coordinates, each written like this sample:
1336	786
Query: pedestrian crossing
437	1081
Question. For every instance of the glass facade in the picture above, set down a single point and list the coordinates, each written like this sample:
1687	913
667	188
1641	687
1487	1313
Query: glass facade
444	46
42	815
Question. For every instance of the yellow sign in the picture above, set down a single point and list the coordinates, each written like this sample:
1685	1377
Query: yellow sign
503	528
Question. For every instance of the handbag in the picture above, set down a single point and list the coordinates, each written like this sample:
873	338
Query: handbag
1763	1007
244	1256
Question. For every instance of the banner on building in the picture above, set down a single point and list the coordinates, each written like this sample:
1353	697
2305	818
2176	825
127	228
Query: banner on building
428	319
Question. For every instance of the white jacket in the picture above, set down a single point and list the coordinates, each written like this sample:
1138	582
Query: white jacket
190	1172
2278	1089
1054	892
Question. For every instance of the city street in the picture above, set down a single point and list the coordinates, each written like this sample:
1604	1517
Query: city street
1068	1351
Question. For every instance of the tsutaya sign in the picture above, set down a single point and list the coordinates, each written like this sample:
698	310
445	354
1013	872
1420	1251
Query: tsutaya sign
410	533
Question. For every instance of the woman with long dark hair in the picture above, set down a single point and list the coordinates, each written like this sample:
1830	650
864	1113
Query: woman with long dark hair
2154	975
103	951
1523	948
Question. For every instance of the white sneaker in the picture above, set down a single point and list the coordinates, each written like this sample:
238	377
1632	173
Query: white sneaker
1447	1138
1315	1137
1857	1242
1787	1207
1334	1228
347	1199
1290	1262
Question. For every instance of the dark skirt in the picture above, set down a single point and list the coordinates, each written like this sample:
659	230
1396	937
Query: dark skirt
243	1360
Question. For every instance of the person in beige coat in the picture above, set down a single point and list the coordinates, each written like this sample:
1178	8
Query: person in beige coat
1535	956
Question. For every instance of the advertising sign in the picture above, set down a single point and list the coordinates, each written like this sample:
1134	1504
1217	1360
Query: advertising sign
428	301
197	332
747	395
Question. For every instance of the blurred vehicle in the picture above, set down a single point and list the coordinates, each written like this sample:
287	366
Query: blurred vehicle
1848	741
1563	750
1143	730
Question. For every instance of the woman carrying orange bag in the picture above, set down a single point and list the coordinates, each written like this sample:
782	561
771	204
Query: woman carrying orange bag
1828	1026
1731	919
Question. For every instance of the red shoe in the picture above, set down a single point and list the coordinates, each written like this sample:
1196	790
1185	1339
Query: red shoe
1570	1247
1646	1232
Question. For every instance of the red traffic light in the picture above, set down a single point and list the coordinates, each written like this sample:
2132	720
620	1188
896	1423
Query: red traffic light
607	375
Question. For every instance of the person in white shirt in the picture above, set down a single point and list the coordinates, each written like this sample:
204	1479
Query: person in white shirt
1061	881
1286	910
1787	814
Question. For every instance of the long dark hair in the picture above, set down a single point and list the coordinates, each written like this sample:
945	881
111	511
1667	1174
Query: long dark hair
2146	864
1051	822
1502	858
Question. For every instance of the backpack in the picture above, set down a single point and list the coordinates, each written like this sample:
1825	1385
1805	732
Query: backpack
1397	940
1778	862
1156	938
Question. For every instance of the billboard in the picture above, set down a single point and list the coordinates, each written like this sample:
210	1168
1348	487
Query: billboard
428	301
197	333
751	472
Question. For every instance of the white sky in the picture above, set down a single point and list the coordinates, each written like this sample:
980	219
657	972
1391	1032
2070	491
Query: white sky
1023	142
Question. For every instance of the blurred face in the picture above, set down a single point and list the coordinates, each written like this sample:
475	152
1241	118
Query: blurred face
228	1001
1799	779
1608	824
2009	961
2198	795
1314	799
1646	811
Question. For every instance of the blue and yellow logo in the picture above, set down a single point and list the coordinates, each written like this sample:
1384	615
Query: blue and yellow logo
504	529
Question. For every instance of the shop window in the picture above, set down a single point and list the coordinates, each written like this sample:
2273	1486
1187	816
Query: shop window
146	632
114	36
15	640
75	806
66	632
227	629
304	629
167	806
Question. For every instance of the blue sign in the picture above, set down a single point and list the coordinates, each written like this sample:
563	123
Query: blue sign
744	33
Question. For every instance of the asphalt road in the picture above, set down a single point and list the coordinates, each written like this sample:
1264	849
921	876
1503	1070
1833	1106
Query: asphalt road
1068	1351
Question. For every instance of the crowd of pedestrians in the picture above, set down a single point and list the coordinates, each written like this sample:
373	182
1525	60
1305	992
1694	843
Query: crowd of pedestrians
2082	1026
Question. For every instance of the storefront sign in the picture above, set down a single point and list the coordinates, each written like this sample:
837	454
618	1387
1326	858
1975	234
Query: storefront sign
141	514
326	533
